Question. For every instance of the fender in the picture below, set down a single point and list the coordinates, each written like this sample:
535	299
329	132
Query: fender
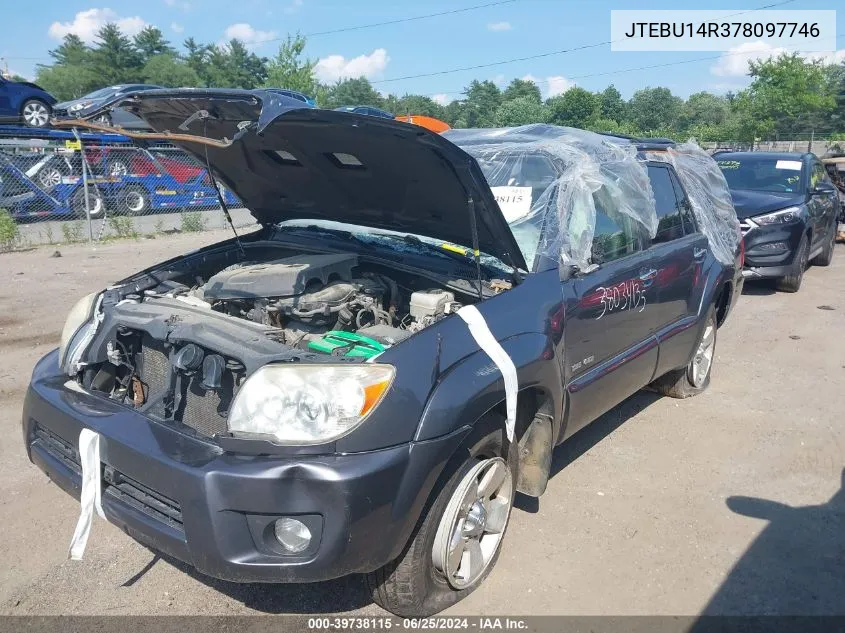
473	386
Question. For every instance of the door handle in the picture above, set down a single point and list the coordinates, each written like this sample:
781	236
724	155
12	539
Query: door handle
699	253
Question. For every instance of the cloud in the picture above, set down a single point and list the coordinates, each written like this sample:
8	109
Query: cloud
836	57
293	7
499	80
551	86
499	26
442	98
178	4
249	36
734	63
86	23
336	67
176	28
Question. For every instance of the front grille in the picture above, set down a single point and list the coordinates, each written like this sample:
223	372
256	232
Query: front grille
115	484
154	372
744	226
205	411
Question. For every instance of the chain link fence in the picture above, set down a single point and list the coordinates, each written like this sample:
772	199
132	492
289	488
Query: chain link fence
65	187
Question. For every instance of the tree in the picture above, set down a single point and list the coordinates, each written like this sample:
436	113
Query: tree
288	70
229	66
482	100
351	92
654	110
576	107
612	105
150	42
71	52
68	82
170	71
115	59
521	111
414	104
522	88
454	114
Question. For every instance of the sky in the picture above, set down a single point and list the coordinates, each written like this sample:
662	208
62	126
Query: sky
386	54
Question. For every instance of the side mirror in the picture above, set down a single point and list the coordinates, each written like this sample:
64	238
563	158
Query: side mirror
823	188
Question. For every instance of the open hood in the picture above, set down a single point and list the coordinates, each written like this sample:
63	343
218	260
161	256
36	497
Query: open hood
288	162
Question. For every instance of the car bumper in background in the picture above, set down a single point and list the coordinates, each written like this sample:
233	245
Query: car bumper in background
770	250
216	511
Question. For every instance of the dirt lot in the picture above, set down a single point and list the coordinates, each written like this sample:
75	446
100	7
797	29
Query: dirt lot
731	502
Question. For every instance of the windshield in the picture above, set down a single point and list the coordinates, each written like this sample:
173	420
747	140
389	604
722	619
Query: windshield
519	181
762	173
102	92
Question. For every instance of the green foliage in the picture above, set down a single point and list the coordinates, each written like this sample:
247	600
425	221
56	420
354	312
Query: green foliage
653	109
414	104
612	105
168	70
115	58
150	42
193	222
522	111
576	108
483	99
123	227
522	88
72	231
351	92
68	82
9	232
289	70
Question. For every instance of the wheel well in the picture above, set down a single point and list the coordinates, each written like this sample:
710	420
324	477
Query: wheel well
722	302
41	101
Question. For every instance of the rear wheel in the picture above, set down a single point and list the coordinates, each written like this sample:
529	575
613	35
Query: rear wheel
695	377
134	200
35	113
792	282
459	537
96	204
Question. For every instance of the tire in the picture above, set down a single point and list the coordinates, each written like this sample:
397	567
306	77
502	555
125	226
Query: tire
35	113
826	256
49	177
792	282
95	201
133	200
412	585
692	379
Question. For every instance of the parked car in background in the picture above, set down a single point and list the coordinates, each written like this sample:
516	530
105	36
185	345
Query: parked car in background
23	101
787	207
293	94
367	110
117	117
311	400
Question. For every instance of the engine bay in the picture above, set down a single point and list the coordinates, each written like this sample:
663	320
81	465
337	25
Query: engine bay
179	346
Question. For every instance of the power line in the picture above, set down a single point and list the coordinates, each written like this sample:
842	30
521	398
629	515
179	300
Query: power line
548	54
540	82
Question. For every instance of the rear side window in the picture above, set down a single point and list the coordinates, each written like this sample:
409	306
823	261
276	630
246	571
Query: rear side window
616	234
669	221
687	218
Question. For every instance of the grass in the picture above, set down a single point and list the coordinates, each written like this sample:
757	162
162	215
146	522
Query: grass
123	227
72	231
10	235
193	222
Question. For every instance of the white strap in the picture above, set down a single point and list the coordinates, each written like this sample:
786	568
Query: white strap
487	342
90	499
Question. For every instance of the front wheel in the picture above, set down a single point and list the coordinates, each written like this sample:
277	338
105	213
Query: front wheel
792	282
35	113
695	377
459	537
96	204
134	200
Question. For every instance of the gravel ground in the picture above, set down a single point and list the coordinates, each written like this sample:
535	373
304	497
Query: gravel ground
731	502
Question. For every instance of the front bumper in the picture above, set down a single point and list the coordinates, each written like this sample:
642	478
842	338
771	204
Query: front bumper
215	511
770	250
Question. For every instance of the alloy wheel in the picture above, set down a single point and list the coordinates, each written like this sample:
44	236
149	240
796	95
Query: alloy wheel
473	524
35	114
703	359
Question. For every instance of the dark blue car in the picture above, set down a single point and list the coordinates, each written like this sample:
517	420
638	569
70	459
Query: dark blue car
25	101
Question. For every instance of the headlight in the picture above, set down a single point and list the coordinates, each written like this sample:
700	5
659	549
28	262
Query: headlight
76	107
79	316
784	216
308	404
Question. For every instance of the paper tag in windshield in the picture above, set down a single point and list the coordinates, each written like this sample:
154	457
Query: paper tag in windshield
515	202
792	165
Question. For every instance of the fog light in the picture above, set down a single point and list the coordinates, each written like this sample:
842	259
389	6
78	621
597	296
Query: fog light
774	246
293	535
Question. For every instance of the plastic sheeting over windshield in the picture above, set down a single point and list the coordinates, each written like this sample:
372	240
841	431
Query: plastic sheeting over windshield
549	182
